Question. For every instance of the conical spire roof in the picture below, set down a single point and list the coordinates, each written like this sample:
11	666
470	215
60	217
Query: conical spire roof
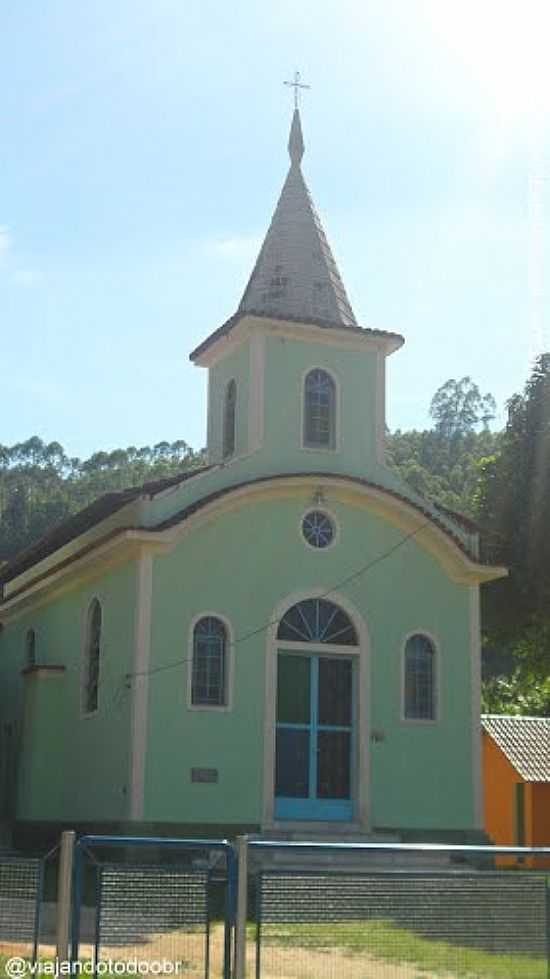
295	276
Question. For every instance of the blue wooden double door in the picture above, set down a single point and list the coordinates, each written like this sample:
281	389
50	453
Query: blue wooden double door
314	745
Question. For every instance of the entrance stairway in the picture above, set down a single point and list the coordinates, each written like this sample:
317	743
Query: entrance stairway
303	858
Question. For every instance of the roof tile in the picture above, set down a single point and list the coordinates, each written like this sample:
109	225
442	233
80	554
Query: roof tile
525	741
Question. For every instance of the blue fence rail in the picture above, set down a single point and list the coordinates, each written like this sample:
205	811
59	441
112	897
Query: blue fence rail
152	895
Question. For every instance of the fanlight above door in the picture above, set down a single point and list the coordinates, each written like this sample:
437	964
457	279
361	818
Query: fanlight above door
317	620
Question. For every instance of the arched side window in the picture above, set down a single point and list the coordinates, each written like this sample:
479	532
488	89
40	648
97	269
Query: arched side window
319	410
229	420
209	673
317	620
92	658
419	687
30	649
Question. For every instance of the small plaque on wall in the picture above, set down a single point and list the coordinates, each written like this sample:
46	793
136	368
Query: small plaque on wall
204	774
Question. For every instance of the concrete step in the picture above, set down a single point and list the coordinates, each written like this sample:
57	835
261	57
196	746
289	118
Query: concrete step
354	859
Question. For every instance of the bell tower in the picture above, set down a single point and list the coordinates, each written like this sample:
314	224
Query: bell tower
294	381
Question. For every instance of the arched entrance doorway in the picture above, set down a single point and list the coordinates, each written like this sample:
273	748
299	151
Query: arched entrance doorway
316	713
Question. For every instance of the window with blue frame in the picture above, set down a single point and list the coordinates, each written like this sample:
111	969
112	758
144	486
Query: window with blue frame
319	410
209	667
419	687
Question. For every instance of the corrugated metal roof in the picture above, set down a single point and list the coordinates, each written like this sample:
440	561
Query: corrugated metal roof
525	741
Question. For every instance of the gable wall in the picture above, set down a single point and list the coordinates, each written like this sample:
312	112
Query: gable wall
242	565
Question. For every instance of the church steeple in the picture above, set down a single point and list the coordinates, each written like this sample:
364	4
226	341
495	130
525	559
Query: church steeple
295	276
296	140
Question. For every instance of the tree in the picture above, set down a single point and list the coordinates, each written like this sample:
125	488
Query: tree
514	506
40	485
457	407
514	500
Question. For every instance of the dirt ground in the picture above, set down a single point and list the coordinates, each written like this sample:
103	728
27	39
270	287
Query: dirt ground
277	962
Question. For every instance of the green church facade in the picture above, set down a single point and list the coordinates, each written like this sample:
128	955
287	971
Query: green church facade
288	638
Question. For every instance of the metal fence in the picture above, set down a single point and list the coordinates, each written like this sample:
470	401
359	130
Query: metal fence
205	909
21	895
375	911
154	906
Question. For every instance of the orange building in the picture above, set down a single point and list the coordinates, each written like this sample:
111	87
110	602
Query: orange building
516	780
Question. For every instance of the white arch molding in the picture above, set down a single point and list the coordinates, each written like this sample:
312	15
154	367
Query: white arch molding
360	653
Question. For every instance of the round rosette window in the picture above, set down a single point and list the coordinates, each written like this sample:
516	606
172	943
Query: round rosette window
318	529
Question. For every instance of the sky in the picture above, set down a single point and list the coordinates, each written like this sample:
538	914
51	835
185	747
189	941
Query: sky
142	152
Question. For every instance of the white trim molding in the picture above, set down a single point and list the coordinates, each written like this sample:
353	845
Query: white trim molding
256	392
125	545
345	339
475	668
140	685
229	663
380	403
360	654
422	721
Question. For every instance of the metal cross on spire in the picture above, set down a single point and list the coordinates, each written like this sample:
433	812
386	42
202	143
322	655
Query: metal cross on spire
296	85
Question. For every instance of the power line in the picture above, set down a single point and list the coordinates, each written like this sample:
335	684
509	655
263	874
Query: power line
273	622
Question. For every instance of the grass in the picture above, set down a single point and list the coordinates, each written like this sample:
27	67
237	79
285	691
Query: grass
383	940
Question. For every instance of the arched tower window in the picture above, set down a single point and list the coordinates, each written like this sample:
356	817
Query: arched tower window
92	658
319	410
30	649
419	688
209	674
317	620
229	419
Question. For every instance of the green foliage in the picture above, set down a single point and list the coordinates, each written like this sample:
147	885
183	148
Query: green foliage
423	460
527	689
514	502
41	486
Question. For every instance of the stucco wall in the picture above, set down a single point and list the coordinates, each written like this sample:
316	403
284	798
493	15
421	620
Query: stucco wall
234	367
242	564
72	767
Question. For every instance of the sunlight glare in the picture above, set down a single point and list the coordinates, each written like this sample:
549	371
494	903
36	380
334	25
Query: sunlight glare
502	45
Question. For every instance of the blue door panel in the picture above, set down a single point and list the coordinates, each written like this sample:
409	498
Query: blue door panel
314	750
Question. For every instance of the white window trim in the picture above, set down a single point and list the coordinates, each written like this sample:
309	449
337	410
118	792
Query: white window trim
229	664
88	714
328	513
422	721
337	407
361	654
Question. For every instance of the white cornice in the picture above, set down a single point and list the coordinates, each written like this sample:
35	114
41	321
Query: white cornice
122	546
248	325
129	544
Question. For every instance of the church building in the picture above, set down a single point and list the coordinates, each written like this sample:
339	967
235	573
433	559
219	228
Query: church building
284	641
